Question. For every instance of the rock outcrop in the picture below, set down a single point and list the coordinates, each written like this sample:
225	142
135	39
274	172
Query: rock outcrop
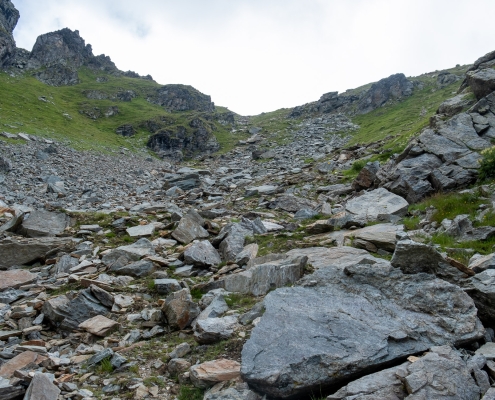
181	98
8	20
337	325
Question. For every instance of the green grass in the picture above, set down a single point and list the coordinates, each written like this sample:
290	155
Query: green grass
22	111
404	119
449	205
277	243
448	242
105	366
190	393
411	223
240	301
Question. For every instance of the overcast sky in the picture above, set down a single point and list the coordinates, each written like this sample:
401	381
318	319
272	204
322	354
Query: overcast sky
261	55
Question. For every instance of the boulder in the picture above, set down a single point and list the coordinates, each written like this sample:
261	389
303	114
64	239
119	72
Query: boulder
125	254
247	254
482	81
374	237
216	308
190	228
366	177
209	373
455	105
202	254
125	130
99	325
180	310
20	252
320	313
377	203
18	362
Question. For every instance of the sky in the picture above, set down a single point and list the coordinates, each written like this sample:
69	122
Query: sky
256	56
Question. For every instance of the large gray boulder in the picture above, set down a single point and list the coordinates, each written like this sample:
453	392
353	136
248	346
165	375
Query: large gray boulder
231	240
377	203
42	223
343	321
180	310
125	254
20	252
137	269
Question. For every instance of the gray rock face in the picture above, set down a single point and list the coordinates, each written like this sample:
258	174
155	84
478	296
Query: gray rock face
125	254
58	75
359	298
379	202
481	263
239	392
167	286
8	20
392	88
202	254
482	82
44	223
454	105
20	252
481	288
181	98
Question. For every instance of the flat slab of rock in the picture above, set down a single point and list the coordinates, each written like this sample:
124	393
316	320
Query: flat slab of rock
15	278
379	202
211	372
20	252
338	324
18	362
99	325
141	230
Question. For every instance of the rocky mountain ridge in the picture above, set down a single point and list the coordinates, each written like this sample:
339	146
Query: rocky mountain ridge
301	263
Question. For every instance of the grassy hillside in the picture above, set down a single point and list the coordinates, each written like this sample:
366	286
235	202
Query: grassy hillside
59	117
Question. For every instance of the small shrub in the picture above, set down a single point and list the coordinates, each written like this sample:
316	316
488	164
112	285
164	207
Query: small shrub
196	294
487	165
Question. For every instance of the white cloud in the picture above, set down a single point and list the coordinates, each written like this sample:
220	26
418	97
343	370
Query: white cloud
260	55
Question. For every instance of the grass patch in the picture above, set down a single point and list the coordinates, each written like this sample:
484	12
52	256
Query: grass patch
277	243
449	205
411	223
105	366
445	242
59	113
240	302
190	393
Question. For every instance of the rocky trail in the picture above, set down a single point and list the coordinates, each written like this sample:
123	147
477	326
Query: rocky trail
294	266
